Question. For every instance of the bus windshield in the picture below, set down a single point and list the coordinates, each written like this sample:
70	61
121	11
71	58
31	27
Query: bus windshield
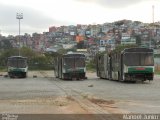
138	59
80	62
17	62
72	62
69	62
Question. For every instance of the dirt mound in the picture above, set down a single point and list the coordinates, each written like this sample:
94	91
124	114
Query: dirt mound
101	101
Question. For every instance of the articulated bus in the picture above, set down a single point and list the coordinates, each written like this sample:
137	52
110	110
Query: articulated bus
130	64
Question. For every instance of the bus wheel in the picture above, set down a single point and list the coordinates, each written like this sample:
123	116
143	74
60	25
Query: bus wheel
134	81
11	76
24	76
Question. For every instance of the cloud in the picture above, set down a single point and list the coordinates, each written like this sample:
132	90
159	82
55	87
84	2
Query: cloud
113	3
38	17
33	20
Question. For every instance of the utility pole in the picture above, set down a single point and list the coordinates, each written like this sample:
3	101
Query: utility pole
19	16
152	13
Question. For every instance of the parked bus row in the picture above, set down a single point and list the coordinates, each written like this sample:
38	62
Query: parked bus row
129	64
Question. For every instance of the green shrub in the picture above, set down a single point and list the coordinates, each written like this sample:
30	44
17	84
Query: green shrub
91	65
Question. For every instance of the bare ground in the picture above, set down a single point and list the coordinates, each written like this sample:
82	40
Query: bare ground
58	104
79	104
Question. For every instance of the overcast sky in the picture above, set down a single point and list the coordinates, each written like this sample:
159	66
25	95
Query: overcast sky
39	15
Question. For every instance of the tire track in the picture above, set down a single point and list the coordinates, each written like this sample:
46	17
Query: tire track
86	104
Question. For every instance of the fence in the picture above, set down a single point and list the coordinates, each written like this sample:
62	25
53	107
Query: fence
40	67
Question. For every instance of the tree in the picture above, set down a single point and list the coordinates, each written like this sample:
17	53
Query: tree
27	52
5	44
7	53
138	40
119	48
80	45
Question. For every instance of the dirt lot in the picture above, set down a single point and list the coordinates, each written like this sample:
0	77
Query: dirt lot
63	103
42	93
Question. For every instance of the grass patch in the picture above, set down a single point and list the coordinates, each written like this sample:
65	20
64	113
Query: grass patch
3	69
40	67
157	72
91	66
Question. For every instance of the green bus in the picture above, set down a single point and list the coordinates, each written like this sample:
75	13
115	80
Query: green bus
17	66
70	66
129	64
